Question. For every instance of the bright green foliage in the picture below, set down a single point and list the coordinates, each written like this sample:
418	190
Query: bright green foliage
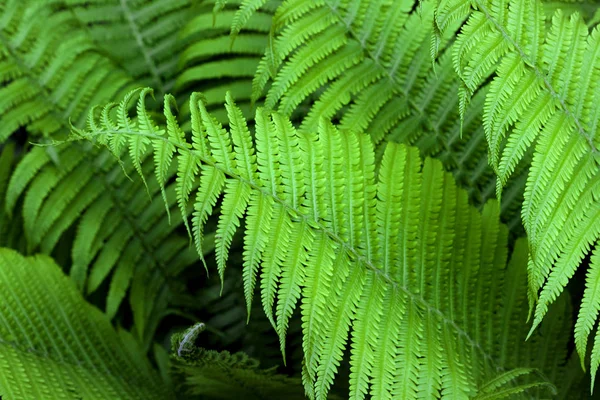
404	289
367	64
55	345
396	259
543	99
210	374
243	14
122	237
118	229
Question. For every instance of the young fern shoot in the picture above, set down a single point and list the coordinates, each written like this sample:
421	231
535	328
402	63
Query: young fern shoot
189	337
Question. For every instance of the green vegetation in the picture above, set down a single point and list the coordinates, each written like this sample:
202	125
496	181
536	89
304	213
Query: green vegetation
390	199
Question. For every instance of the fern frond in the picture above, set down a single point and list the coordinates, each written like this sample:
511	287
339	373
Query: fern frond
447	263
140	36
543	100
121	237
52	72
55	345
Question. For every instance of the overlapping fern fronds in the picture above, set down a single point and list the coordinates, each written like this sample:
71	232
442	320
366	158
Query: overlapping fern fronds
55	345
50	70
544	98
121	239
223	307
53	71
367	65
396	259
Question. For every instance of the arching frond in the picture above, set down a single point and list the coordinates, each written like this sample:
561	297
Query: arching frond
543	99
393	265
55	345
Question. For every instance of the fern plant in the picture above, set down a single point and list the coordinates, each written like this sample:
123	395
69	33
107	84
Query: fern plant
371	268
325	230
55	345
77	196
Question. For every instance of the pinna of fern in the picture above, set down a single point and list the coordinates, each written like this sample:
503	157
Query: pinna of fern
543	99
398	260
213	63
